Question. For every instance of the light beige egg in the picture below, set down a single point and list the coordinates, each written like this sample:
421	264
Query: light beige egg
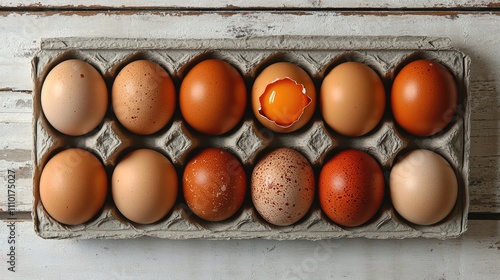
282	186
144	186
74	97
423	187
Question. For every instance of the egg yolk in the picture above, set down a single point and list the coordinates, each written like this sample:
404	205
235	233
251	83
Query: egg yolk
283	102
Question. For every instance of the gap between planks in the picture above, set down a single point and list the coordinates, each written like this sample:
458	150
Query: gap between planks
91	11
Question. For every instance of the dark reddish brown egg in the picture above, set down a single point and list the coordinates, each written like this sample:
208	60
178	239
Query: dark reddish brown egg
424	97
351	188
214	184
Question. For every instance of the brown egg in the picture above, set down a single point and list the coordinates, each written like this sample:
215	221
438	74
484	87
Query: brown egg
212	97
282	186
351	188
214	184
424	187
144	186
74	97
424	97
73	186
143	97
352	99
283	97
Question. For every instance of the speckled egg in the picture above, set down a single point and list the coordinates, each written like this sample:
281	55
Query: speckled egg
143	97
351	188
282	186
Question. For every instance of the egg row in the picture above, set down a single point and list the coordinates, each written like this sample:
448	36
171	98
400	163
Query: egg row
144	185
213	96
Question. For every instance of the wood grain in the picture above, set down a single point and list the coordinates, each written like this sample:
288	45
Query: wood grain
226	4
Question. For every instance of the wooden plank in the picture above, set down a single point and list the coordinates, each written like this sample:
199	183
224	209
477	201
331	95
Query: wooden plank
472	256
15	107
226	4
485	148
475	34
15	147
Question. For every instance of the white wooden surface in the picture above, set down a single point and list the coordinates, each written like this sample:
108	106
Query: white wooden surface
476	255
225	4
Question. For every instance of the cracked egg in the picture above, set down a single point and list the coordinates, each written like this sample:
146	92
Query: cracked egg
283	97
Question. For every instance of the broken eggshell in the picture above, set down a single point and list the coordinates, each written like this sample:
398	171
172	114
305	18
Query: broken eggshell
283	110
268	79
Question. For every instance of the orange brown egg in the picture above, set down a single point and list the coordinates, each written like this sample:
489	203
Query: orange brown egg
424	97
351	188
213	97
73	186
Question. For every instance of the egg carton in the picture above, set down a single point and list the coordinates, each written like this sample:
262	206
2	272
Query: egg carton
250	140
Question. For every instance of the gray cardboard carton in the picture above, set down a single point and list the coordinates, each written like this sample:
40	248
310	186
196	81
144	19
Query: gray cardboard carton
317	55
